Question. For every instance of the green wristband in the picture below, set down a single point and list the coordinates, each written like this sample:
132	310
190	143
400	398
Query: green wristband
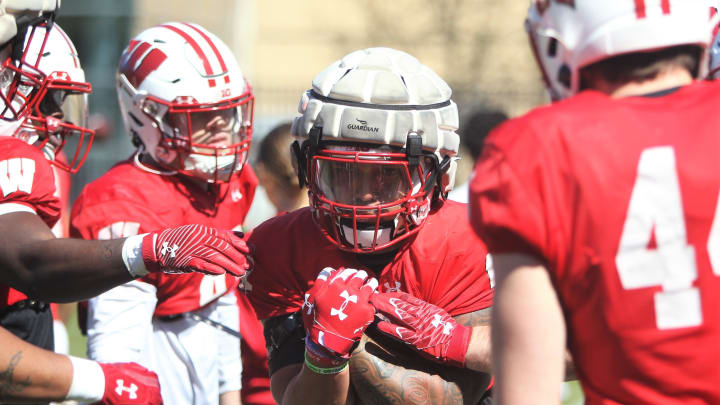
319	370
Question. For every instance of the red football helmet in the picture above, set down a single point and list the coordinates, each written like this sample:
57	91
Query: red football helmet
378	144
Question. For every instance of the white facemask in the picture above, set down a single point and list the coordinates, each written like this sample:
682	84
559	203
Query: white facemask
209	167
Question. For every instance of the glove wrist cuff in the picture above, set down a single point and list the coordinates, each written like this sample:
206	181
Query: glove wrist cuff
322	357
458	346
88	381
132	255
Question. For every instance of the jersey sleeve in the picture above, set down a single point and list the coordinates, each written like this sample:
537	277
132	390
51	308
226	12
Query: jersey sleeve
276	284
453	275
27	182
519	198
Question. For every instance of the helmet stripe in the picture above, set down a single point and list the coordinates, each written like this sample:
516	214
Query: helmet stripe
196	47
214	49
640	9
666	6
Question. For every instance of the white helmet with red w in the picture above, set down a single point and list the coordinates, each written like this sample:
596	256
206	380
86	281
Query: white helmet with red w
58	108
567	35
185	100
378	146
16	18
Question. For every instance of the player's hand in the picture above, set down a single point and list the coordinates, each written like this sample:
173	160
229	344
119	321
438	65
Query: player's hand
337	310
130	384
425	327
195	248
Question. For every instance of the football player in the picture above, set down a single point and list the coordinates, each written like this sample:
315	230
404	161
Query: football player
189	110
377	147
601	210
35	99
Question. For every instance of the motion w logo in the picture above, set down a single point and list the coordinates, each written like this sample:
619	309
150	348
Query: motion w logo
140	60
17	174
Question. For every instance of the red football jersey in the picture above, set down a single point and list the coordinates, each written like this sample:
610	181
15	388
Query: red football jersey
444	265
26	178
620	199
128	201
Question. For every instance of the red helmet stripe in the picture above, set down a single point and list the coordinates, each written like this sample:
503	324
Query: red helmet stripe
666	6
640	8
196	47
214	49
149	64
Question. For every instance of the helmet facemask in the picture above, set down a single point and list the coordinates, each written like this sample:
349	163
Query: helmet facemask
368	198
204	141
51	85
20	79
58	112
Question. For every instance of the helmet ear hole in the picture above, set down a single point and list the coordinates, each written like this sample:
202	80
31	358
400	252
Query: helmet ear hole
552	47
564	76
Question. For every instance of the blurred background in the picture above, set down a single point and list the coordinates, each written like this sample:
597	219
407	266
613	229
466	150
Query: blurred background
478	46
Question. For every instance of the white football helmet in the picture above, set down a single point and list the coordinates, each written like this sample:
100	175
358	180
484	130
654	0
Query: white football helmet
714	71
567	35
376	144
58	107
16	18
184	97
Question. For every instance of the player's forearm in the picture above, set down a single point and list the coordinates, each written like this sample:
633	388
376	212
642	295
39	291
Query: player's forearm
383	374
64	270
479	354
308	387
28	372
528	334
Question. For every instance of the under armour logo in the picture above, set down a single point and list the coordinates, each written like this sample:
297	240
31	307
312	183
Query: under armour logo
167	249
131	390
339	312
393	289
308	305
447	327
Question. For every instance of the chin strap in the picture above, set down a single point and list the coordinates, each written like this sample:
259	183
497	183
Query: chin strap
304	153
144	167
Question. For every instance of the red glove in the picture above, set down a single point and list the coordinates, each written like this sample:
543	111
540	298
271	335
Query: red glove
337	310
425	327
130	384
195	248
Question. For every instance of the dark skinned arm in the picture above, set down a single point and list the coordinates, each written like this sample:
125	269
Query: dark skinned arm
384	371
41	266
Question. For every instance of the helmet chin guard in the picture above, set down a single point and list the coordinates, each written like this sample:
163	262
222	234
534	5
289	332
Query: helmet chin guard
376	143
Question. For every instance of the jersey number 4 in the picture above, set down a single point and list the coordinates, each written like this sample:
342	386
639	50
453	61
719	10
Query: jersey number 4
656	210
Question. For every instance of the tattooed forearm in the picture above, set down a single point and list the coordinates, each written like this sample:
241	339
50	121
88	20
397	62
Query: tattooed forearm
477	318
379	376
8	387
